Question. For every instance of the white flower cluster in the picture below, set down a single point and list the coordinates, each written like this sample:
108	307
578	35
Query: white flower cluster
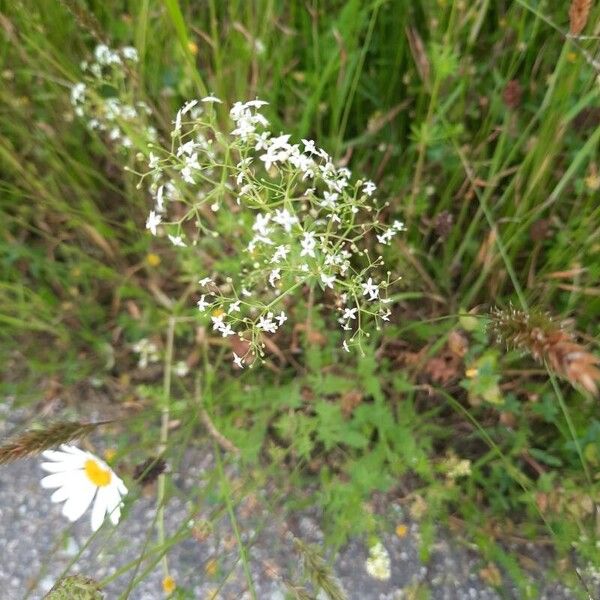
110	115
267	218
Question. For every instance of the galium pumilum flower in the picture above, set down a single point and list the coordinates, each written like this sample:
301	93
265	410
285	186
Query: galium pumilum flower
268	218
80	479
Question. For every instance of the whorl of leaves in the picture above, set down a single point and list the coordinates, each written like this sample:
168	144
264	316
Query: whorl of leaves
75	587
34	442
579	12
319	572
538	334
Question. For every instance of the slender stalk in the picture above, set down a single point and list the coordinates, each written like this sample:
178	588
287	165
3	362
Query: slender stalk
164	436
570	424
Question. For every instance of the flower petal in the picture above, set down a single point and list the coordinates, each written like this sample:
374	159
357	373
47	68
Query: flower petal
78	503
113	501
57	479
62	493
99	510
120	485
54	455
57	467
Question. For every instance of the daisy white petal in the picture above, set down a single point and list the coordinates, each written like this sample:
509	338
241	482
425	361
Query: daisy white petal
78	503
99	510
56	479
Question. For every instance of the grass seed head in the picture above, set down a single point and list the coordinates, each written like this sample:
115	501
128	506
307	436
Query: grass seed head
539	335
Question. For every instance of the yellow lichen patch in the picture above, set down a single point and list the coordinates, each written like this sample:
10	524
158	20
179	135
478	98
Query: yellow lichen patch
401	530
96	474
211	568
169	585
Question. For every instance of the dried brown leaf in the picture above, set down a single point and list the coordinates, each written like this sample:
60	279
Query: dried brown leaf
579	12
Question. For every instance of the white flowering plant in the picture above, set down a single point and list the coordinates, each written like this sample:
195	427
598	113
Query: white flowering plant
268	219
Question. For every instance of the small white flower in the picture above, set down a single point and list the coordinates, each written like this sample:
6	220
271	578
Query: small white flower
398	225
238	361
226	330
309	146
256	103
386	236
274	276
267	324
81	478
345	346
285	219
205	281
177	122
202	303
234	307
328	280
177	240
153	221
218	322
130	53
369	187
260	224
281	318
370	289
330	199
308	244
280	254
78	93
187	148
349	313
211	99
153	161
188	106
160	203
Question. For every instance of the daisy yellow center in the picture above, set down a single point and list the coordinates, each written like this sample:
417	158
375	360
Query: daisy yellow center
96	474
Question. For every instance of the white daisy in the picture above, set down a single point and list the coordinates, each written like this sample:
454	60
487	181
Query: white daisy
82	478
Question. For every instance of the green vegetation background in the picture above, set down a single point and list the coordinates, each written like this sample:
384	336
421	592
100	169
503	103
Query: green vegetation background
479	121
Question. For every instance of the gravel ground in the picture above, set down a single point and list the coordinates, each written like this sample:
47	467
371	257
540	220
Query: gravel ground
38	544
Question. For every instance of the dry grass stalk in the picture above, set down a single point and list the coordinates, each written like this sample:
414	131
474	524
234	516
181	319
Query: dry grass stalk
579	12
36	441
544	339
